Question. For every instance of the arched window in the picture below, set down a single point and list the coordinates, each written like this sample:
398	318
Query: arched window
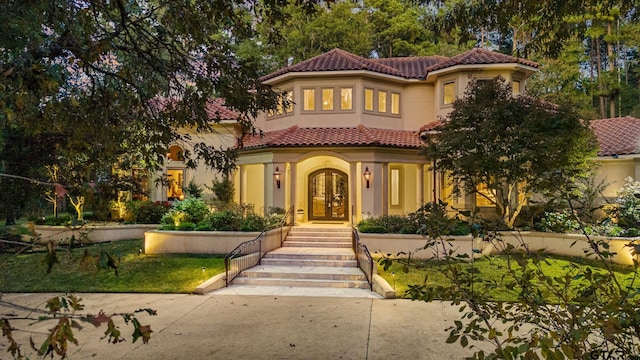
175	153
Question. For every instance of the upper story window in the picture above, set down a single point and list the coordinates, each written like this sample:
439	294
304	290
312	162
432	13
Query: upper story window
285	104
175	153
346	98
448	93
368	99
327	99
395	103
381	101
515	87
309	101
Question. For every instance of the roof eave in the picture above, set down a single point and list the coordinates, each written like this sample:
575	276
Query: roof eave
336	73
528	70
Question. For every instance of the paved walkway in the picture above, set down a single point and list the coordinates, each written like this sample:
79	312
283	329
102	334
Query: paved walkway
218	326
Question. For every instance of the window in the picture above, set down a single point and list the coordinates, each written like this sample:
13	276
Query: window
140	179
382	101
515	87
346	98
448	93
395	186
176	183
368	99
484	196
327	99
395	103
175	153
288	99
309	102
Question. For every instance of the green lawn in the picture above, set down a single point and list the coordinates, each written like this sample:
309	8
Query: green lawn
430	273
136	273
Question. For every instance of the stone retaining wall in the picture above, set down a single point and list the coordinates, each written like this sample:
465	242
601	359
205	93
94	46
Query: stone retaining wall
95	233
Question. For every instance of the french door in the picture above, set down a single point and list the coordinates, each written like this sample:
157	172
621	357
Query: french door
328	195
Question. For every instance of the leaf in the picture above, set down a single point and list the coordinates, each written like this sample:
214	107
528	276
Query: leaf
464	341
452	339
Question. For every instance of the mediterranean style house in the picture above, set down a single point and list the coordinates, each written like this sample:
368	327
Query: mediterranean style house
345	144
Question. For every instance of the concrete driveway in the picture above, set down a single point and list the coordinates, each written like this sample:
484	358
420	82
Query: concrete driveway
259	327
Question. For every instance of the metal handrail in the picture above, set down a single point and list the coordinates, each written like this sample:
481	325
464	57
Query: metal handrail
244	256
250	253
363	256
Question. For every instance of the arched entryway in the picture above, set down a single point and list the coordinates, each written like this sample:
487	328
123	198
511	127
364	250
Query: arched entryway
328	195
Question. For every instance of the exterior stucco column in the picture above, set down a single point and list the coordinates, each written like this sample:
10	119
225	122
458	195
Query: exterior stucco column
293	181
279	195
384	183
420	184
269	186
354	209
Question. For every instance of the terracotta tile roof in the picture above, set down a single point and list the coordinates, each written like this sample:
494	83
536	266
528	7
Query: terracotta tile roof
361	135
432	125
335	60
617	136
411	67
405	67
217	109
480	56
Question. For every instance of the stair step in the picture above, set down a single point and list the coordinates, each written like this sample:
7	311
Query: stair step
335	244
304	272
318	238
309	262
320	254
300	282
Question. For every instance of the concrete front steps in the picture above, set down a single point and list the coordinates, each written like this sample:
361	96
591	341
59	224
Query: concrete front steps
313	258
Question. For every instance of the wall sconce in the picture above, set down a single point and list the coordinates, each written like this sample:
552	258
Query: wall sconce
276	177
367	175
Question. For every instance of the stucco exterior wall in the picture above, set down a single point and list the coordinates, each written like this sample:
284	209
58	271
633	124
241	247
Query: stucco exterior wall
613	172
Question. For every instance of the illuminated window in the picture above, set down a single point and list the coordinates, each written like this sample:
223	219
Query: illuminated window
176	184
484	197
368	99
288	98
395	103
175	153
327	99
346	98
448	93
515	87
382	101
309	99
395	186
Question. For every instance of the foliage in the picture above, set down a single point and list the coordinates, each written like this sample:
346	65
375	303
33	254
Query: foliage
420	221
558	222
223	191
223	220
190	209
577	313
146	212
66	313
628	201
194	190
513	145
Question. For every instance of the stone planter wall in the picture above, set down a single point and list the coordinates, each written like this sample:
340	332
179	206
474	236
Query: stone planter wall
205	242
95	233
559	244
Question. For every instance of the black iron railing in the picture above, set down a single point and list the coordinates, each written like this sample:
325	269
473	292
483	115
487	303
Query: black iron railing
363	256
250	253
244	256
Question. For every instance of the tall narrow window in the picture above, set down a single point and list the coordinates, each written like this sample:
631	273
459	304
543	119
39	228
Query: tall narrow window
327	99
288	98
346	98
309	99
382	101
176	183
484	196
448	93
395	187
515	87
395	103
368	99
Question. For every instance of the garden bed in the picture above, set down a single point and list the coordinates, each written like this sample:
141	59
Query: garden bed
98	232
552	243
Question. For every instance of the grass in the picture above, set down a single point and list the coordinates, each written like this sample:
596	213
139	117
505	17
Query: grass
138	273
431	273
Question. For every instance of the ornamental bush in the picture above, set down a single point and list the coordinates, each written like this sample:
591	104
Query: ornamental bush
628	201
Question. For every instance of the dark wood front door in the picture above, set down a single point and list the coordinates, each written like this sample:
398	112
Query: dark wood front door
328	195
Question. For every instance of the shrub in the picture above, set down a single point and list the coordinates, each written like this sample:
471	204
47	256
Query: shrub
62	219
253	222
194	208
558	222
628	200
224	220
365	227
186	226
146	212
223	191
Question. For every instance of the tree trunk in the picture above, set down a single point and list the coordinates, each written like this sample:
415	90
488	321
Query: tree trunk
603	110
612	70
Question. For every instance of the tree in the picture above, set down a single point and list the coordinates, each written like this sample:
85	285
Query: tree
114	81
513	145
